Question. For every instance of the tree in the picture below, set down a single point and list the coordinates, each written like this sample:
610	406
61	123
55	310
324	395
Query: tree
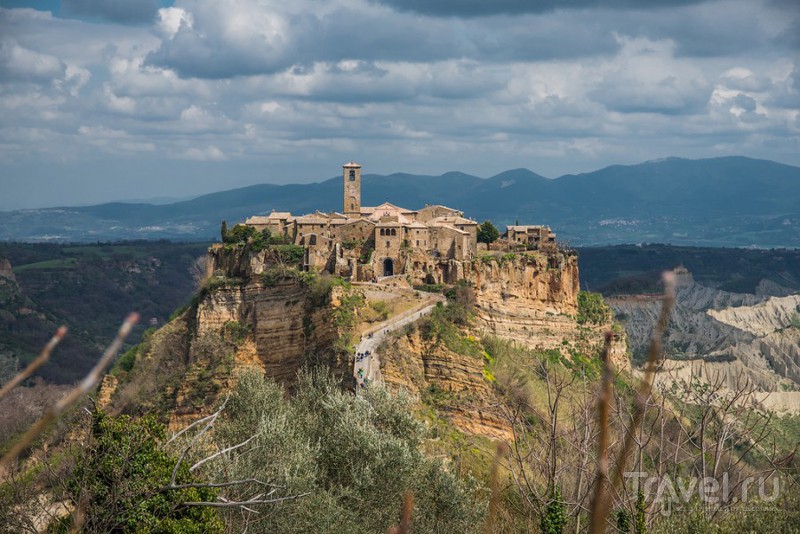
241	233
120	482
351	457
224	231
487	233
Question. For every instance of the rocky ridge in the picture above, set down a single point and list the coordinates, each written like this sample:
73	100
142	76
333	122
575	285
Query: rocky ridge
717	335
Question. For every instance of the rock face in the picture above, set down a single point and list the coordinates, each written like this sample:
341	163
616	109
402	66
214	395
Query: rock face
775	313
467	399
6	270
526	298
533	282
716	335
286	326
533	300
530	298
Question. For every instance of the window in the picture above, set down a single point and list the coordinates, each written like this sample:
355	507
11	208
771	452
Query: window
417	242
352	175
387	244
394	232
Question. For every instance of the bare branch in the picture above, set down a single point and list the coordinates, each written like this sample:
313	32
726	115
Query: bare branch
40	360
219	484
597	520
242	504
86	385
229	449
211	420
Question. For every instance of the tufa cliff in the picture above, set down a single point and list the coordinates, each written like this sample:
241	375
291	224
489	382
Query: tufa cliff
255	311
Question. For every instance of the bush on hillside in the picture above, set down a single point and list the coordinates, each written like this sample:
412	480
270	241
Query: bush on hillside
592	309
352	457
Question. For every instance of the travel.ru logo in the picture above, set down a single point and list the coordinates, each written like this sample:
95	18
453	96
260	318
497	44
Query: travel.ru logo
681	493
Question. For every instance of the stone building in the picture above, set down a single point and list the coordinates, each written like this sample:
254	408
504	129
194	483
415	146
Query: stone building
531	236
367	243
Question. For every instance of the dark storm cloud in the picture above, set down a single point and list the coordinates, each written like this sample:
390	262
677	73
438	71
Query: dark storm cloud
480	8
119	11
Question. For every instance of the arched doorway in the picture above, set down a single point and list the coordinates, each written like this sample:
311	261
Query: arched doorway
388	267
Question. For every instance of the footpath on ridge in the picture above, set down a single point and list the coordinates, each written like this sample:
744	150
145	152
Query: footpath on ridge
367	367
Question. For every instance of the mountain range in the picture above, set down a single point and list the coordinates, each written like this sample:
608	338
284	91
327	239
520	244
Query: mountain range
727	201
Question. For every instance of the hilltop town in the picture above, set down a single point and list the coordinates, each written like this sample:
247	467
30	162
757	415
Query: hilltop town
366	243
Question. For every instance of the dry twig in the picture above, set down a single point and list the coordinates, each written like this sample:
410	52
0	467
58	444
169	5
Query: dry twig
602	499
603	408
40	360
86	385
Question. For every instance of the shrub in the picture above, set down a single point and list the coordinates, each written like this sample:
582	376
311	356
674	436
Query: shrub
353	457
554	517
289	254
487	233
120	478
592	308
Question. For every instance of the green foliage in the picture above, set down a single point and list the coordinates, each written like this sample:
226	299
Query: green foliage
584	366
641	513
592	308
320	287
223	231
89	288
487	233
289	254
178	312
757	516
623	518
430	288
381	309
554	517
366	252
344	319
235	331
353	457
216	282
795	321
443	324
127	360
239	234
121	476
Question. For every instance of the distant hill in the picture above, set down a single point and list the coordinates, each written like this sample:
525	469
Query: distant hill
729	201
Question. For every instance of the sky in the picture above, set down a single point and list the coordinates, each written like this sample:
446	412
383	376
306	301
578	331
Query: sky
106	100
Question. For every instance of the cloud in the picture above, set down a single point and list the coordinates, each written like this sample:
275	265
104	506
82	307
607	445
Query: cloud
480	8
119	11
645	78
282	91
20	64
247	38
210	153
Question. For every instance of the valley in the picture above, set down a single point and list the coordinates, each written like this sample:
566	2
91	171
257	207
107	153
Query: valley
508	354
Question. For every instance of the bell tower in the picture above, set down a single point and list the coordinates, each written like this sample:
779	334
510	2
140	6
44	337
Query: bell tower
352	189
